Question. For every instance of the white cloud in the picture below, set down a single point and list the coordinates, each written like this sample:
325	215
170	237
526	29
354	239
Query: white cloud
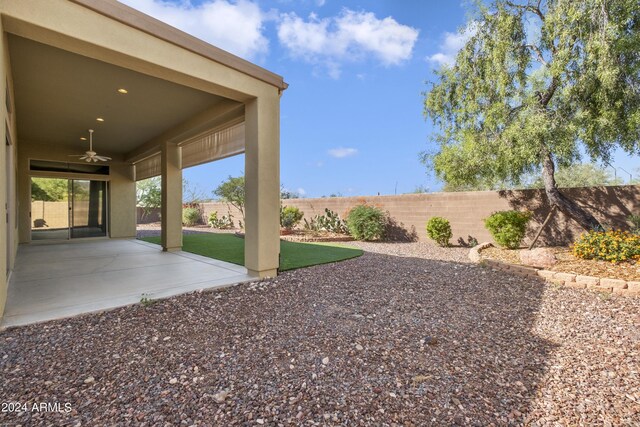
341	152
235	26
301	191
320	3
349	36
451	44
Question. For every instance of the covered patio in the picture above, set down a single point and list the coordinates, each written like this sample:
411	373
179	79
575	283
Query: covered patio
52	281
157	101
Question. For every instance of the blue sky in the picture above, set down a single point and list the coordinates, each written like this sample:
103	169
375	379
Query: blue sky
351	120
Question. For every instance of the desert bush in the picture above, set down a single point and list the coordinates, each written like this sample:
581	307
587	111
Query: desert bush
508	228
190	216
330	222
366	223
439	230
469	243
222	223
614	246
290	217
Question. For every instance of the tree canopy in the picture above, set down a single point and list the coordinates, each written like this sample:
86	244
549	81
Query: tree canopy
149	194
232	191
49	189
537	84
577	175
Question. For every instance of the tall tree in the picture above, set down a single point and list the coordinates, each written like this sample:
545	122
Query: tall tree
149	194
232	191
537	83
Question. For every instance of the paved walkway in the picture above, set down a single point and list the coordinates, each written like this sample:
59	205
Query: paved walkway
52	281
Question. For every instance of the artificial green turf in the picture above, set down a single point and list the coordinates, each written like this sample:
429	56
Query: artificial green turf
229	248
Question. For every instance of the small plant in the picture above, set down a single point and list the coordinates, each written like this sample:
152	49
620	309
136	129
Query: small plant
222	223
290	217
366	223
145	301
508	228
469	243
329	222
190	216
614	246
635	223
439	229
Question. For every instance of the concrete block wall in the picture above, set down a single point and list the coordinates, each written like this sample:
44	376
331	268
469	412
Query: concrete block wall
467	210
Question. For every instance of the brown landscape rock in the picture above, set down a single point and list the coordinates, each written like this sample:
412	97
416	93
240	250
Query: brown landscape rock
538	257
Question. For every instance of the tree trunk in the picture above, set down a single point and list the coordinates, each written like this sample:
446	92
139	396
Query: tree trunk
565	205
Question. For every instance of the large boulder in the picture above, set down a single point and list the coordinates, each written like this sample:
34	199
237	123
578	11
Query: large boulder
474	253
538	257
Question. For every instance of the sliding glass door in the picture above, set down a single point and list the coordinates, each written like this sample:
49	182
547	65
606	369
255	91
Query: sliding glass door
68	208
87	208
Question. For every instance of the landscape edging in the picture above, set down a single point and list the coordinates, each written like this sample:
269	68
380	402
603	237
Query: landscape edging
570	280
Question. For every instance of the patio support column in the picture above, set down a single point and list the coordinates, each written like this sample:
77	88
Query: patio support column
171	220
262	185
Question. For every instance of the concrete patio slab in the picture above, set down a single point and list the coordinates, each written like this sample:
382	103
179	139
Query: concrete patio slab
52	281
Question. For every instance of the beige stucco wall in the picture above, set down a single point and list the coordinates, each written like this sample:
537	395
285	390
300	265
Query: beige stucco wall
8	230
121	195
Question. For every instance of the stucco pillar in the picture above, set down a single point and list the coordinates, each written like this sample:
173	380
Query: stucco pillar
171	167
122	205
262	182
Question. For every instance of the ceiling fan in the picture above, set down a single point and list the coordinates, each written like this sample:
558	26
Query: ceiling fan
91	156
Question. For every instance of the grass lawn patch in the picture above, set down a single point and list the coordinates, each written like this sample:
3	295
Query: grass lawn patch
229	248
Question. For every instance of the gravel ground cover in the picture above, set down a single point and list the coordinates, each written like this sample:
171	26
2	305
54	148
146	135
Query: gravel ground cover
568	263
407	334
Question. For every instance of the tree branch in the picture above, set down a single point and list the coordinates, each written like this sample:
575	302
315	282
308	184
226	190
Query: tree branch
516	109
545	97
529	8
538	52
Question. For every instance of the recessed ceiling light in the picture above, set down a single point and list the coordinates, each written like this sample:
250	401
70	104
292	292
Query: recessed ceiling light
100	119
82	138
123	90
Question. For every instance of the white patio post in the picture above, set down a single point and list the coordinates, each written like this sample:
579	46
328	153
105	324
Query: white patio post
262	181
171	168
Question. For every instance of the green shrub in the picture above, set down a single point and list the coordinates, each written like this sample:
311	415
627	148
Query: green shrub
614	246
221	223
439	229
290	216
190	216
366	223
508	228
330	222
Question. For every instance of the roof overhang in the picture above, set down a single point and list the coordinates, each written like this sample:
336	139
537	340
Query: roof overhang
70	57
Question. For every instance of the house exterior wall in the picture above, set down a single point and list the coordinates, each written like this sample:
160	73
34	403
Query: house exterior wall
121	196
122	193
8	133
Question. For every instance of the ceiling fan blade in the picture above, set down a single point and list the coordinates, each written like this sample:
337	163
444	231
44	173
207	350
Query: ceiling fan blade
102	158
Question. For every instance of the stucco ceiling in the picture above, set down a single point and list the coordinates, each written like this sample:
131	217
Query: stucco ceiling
59	95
